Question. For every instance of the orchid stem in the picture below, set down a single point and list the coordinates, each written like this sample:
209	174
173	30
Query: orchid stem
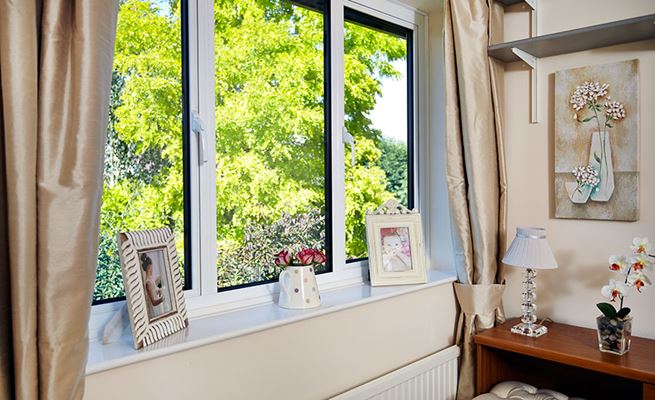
625	282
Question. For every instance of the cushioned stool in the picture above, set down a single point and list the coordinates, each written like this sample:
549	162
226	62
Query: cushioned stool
522	391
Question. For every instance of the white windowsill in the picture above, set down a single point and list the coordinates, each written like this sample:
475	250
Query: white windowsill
216	328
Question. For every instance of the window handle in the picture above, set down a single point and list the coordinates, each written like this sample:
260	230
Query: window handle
347	138
199	128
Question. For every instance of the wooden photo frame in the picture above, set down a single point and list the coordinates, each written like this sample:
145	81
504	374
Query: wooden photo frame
153	285
395	245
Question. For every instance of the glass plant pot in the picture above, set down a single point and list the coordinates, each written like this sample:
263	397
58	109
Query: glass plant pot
614	334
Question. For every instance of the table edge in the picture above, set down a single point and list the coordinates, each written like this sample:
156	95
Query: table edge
646	376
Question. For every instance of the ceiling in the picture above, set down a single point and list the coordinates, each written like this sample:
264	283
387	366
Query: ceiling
424	5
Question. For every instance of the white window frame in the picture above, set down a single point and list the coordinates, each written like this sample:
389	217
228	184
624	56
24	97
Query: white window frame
410	18
203	299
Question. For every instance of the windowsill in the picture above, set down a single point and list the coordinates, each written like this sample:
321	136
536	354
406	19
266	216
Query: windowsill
216	328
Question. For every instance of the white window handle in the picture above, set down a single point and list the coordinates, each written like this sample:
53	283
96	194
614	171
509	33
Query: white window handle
199	128
347	138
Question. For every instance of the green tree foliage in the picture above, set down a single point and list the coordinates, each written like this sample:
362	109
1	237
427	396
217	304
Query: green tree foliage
143	161
368	57
269	132
365	190
269	113
250	261
394	163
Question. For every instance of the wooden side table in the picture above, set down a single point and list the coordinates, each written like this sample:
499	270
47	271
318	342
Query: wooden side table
566	359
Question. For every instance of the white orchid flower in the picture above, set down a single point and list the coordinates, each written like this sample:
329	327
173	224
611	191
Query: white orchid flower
639	280
641	246
641	261
614	290
619	264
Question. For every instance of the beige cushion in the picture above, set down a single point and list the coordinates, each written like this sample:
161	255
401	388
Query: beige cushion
522	391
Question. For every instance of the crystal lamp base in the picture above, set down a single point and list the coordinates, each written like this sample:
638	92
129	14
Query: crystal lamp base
529	325
532	330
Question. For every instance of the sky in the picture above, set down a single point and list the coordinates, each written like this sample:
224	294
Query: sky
390	112
163	5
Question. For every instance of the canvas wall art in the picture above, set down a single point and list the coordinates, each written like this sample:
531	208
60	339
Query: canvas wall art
597	142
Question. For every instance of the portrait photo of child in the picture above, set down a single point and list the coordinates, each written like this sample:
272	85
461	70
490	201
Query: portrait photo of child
396	252
157	284
394	238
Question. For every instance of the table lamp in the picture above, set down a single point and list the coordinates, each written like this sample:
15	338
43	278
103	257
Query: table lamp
531	251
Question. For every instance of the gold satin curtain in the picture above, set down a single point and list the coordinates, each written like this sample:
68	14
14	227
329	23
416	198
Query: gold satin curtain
475	169
55	75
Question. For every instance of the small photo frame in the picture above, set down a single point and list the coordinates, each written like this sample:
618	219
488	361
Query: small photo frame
395	245
153	285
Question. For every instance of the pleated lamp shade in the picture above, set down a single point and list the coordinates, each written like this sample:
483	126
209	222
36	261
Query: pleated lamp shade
529	249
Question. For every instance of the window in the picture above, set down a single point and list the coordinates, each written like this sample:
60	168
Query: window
379	115
272	152
226	122
146	166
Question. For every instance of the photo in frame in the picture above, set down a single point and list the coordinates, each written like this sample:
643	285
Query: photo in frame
153	285
395	245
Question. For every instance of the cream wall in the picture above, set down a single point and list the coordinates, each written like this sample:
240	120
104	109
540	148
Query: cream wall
312	359
569	294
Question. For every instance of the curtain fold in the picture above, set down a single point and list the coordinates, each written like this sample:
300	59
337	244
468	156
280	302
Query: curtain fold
475	170
55	74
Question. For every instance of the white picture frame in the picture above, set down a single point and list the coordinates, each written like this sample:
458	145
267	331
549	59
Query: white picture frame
396	253
153	285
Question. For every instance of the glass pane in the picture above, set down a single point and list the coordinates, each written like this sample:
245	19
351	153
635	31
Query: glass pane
376	103
144	174
270	135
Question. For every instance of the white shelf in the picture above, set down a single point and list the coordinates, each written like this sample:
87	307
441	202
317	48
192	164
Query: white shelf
591	37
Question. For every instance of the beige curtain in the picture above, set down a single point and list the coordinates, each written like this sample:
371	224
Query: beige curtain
55	74
475	169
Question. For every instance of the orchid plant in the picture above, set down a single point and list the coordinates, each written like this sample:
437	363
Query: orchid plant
304	257
633	275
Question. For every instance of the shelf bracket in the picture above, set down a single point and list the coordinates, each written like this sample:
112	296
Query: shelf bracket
532	62
533	17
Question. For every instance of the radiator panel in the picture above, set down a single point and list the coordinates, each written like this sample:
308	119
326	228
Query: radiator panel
431	378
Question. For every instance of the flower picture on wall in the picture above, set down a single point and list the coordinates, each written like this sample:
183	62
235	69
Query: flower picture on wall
597	142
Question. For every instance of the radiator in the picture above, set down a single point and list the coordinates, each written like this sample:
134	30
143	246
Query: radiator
431	378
